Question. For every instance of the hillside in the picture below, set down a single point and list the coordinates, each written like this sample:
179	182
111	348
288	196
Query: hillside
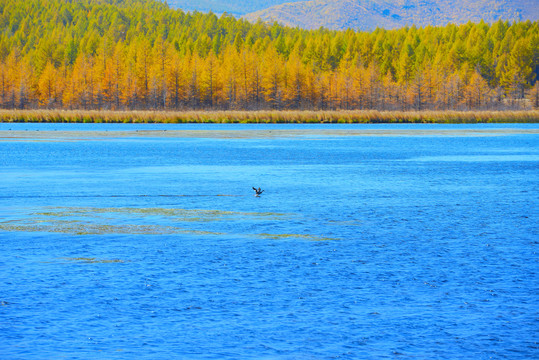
369	14
233	7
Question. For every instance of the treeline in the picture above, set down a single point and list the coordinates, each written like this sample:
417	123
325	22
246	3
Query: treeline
140	54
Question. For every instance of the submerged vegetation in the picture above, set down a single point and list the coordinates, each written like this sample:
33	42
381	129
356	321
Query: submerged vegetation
85	228
92	260
143	55
83	221
178	215
268	116
297	236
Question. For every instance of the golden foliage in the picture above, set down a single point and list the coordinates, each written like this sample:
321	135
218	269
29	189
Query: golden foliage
142	55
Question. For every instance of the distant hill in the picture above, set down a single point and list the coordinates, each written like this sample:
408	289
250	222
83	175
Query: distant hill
390	14
233	7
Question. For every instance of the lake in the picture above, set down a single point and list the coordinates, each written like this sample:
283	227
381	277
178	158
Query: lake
369	241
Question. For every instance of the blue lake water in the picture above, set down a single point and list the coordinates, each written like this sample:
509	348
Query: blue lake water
369	242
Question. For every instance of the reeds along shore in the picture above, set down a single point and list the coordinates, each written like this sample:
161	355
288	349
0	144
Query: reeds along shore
245	117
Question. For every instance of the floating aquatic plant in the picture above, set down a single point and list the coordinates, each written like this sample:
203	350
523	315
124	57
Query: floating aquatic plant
92	260
103	221
94	229
297	236
189	215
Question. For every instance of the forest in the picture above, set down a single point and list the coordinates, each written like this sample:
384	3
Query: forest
144	55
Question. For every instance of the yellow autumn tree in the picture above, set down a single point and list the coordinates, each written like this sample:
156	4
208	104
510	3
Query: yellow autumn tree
176	78
476	92
209	85
4	85
47	86
230	76
272	72
295	84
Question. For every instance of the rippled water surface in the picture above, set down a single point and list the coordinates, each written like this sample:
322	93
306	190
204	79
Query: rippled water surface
146	242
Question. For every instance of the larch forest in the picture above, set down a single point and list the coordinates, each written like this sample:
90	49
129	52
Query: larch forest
144	55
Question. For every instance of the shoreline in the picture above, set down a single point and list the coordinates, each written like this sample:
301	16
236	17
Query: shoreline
269	117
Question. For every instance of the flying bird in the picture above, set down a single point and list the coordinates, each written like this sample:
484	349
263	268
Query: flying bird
258	191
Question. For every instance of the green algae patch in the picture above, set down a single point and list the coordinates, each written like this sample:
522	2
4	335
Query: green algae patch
92	260
93	229
81	221
180	215
295	236
102	229
344	223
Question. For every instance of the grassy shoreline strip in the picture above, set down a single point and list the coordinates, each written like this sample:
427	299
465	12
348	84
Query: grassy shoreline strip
268	117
